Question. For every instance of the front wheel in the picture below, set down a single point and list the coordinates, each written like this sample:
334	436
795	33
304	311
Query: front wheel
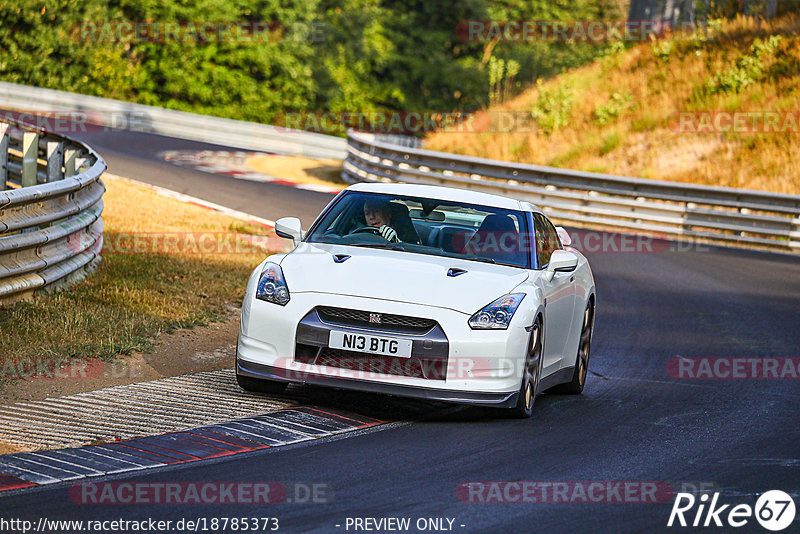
531	374
575	386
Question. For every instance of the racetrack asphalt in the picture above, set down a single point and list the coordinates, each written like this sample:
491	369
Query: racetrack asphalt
137	155
637	421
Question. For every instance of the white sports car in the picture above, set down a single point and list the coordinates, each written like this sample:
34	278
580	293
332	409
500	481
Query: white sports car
421	291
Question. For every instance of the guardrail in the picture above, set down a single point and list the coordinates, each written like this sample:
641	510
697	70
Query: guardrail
719	215
51	200
137	117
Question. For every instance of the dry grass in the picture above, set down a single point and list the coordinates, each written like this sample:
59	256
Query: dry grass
135	295
635	132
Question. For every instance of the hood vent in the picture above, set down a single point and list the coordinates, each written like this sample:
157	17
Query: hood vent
340	258
455	271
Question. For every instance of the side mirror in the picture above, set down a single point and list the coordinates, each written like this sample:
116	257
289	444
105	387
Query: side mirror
564	236
560	262
289	228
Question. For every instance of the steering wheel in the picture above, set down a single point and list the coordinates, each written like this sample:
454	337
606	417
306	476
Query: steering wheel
367	230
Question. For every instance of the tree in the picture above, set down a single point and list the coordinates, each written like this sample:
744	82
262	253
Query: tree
674	13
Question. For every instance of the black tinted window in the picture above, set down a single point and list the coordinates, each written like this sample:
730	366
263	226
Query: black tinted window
426	226
546	239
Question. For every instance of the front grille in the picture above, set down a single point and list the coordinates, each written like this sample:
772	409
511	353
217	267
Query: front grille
389	322
372	365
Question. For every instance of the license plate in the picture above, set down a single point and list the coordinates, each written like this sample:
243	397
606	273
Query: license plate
385	346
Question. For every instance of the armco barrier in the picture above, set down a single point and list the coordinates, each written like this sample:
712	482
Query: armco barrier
719	215
716	214
138	117
51	200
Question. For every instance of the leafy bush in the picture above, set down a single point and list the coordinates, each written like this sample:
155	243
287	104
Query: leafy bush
749	68
354	55
663	50
618	103
551	110
501	75
787	59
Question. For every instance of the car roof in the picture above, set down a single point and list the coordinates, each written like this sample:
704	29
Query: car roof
445	193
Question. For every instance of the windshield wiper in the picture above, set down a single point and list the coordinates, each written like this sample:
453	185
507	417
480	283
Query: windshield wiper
480	258
494	262
387	246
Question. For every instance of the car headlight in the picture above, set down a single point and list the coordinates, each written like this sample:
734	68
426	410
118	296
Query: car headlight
498	314
271	286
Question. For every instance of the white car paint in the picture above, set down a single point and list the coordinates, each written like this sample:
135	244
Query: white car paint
400	277
485	362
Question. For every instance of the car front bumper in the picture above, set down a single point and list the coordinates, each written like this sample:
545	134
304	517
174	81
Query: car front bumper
495	400
482	367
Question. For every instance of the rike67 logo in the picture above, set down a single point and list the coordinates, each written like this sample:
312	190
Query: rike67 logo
774	510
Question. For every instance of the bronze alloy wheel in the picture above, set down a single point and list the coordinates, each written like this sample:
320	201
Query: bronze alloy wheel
532	373
578	381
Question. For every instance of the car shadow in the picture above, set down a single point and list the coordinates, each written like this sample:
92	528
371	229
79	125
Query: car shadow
392	408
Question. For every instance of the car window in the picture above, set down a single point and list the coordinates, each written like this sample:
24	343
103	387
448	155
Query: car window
426	226
552	235
547	240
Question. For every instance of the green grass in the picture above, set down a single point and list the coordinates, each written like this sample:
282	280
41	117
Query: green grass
610	142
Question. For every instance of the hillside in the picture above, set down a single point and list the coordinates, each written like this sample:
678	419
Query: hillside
667	109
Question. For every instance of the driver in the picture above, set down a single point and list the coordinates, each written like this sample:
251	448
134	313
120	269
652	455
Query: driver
378	214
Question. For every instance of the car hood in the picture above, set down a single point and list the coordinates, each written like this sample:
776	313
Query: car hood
398	276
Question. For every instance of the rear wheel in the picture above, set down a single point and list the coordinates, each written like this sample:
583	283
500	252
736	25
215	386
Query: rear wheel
258	385
582	361
531	375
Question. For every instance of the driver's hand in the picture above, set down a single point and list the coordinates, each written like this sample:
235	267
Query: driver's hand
388	233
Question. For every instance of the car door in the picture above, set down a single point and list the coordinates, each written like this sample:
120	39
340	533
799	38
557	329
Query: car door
559	296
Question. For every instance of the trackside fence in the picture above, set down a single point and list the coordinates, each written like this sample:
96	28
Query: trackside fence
51	200
720	215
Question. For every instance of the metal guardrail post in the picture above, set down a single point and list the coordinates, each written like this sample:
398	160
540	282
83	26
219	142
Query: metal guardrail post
50	228
3	156
55	161
30	153
69	162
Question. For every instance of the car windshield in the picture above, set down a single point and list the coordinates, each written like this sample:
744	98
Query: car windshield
426	226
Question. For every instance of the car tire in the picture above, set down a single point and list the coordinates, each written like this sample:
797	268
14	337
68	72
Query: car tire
531	375
575	386
258	385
